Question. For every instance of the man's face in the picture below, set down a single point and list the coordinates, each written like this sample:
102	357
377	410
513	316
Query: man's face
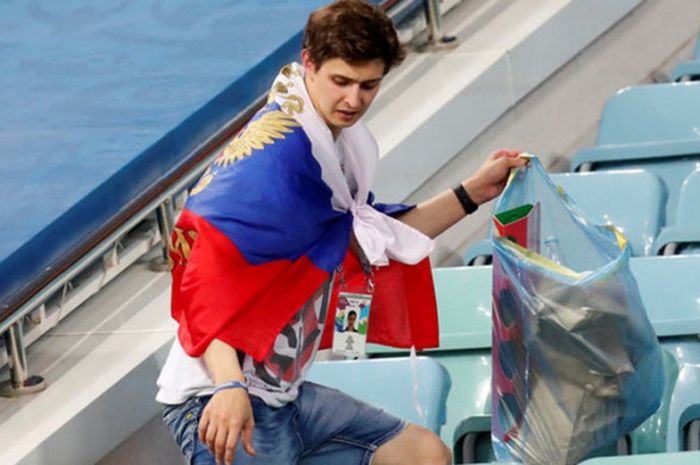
342	92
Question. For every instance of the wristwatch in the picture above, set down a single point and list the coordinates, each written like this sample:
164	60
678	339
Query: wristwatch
463	196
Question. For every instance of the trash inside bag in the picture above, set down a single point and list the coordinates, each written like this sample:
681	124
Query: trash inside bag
576	363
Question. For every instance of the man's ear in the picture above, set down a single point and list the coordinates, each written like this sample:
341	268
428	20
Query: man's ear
306	61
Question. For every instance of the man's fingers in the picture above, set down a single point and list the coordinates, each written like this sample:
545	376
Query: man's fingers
519	160
230	449
210	437
248	438
202	428
507	153
221	444
508	162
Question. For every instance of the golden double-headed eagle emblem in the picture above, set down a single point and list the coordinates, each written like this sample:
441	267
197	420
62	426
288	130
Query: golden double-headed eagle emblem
271	126
259	133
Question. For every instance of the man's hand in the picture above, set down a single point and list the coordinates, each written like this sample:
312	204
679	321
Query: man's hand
442	211
227	416
490	179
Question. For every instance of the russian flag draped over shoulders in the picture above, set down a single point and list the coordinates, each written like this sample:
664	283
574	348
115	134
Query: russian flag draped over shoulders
264	228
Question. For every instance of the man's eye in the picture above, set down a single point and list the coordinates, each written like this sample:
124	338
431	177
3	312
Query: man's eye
369	85
341	82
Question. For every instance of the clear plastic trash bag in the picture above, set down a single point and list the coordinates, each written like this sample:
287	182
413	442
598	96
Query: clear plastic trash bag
576	363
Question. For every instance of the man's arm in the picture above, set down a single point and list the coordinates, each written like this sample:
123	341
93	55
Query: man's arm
442	211
228	413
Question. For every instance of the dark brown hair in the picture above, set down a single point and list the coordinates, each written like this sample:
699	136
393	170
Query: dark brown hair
354	31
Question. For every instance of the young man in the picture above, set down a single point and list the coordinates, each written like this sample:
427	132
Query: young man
257	248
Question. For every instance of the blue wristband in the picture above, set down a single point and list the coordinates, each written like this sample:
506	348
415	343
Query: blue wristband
230	385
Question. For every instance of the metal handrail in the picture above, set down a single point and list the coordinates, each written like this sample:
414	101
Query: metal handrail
436	39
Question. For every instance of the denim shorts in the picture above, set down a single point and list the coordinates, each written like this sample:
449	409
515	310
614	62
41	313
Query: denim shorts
323	426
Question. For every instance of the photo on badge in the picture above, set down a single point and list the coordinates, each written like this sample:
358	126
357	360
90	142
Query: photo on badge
351	323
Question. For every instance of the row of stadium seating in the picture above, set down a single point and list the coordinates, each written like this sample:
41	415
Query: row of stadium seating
643	175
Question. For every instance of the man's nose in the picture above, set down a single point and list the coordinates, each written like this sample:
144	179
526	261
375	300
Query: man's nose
353	97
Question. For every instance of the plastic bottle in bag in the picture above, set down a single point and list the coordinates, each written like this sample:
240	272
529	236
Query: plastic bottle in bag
552	249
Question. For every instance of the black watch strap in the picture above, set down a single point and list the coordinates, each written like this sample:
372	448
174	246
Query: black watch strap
467	203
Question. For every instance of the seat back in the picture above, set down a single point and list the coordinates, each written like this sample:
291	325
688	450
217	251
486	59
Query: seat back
670	292
479	253
651	127
464	307
633	201
684	235
690	68
390	384
686	70
651	114
688	201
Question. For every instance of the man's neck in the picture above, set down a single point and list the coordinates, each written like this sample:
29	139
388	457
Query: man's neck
334	131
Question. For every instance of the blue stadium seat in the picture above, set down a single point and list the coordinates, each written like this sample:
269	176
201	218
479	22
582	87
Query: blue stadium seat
684	235
670	292
632	200
478	253
689	69
389	384
672	298
652	127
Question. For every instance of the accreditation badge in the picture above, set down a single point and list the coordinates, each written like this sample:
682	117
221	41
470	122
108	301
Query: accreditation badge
352	318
